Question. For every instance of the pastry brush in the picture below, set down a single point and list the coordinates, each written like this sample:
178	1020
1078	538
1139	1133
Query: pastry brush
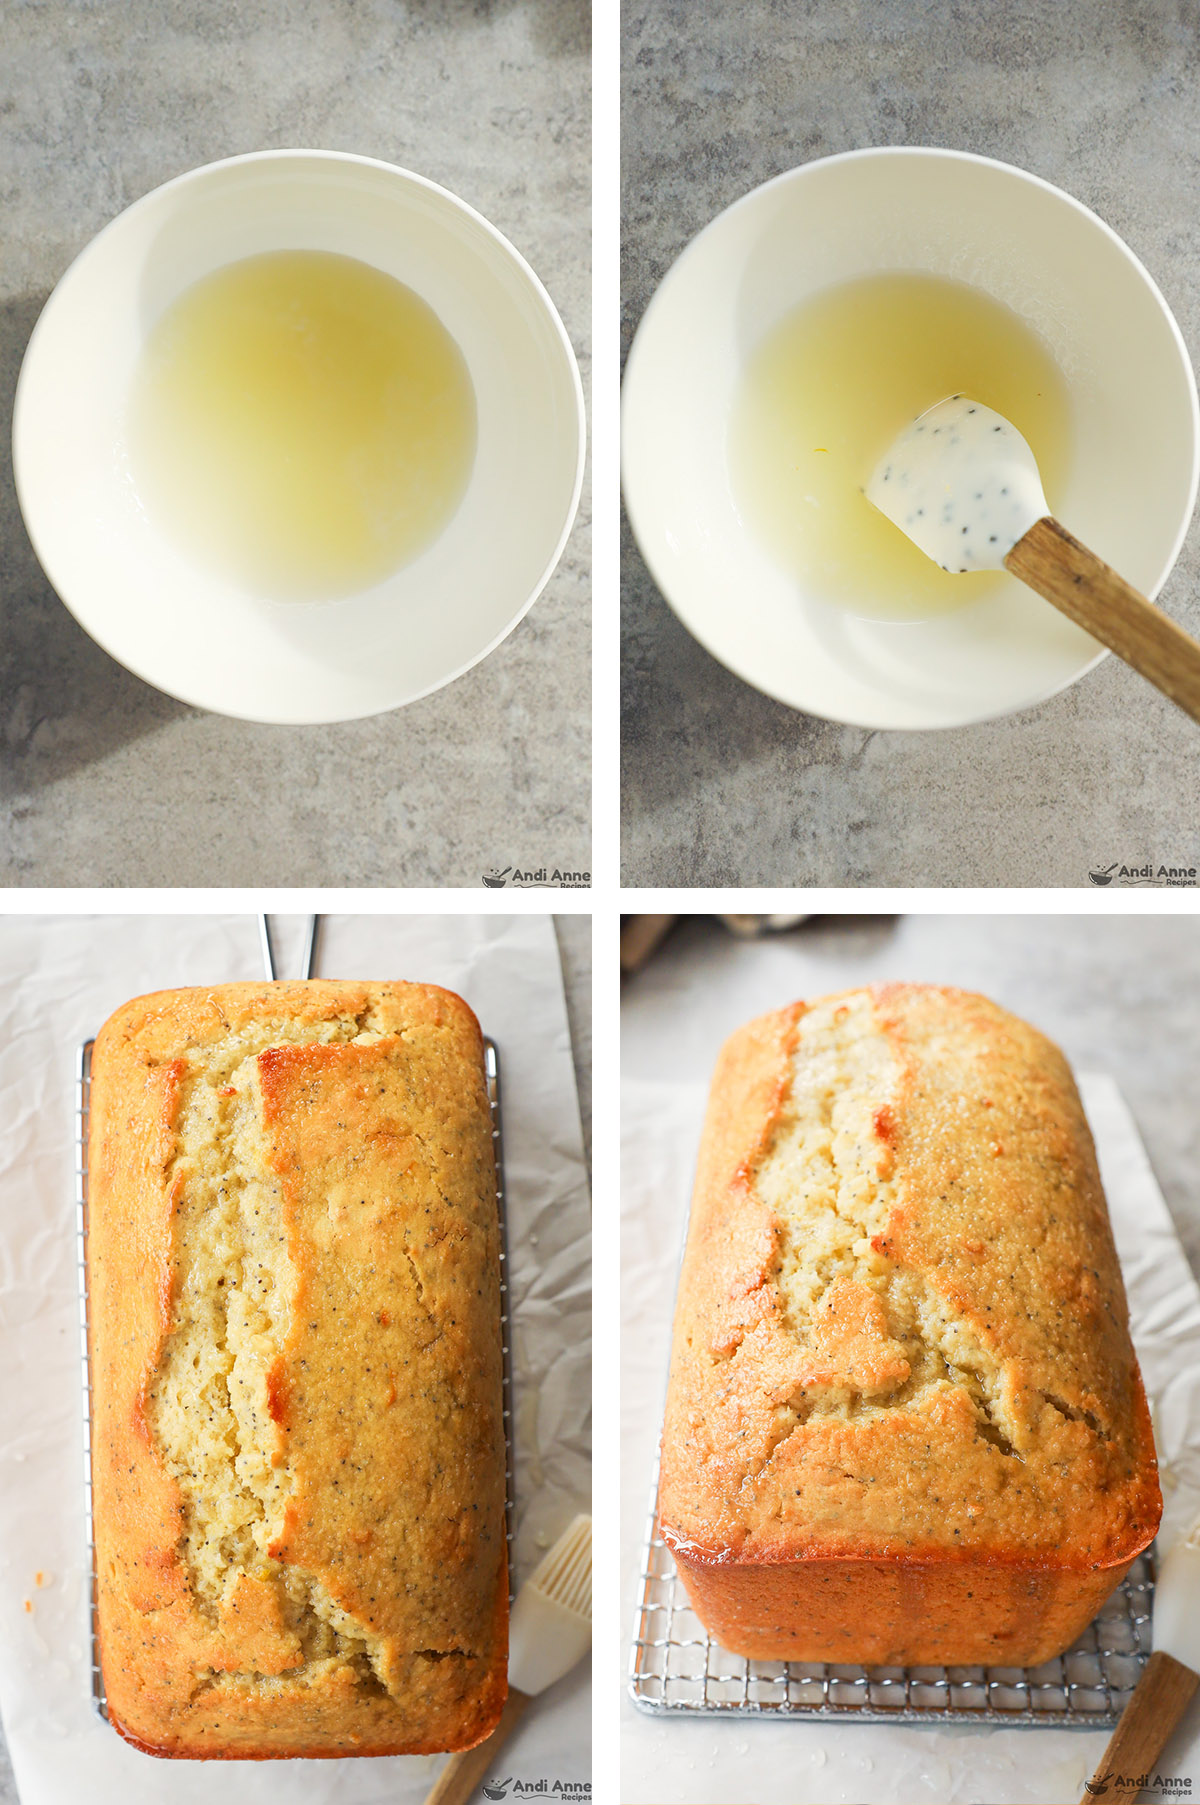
551	1630
1171	1677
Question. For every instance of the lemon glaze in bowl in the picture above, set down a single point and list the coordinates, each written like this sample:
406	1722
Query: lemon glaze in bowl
205	640
1131	483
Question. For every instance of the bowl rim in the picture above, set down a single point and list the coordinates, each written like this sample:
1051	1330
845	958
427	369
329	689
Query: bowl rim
880	152
204	170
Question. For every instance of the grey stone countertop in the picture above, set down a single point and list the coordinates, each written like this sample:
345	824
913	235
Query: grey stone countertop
105	781
725	786
574	934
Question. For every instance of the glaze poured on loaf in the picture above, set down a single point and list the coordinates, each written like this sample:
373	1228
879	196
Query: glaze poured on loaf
901	1333
297	1448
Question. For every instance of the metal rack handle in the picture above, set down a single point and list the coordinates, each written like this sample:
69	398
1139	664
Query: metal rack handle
270	967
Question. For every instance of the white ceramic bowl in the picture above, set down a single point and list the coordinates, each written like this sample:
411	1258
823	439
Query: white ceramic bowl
1131	483
206	641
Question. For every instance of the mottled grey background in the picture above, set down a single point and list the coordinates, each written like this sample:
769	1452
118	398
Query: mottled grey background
725	786
105	781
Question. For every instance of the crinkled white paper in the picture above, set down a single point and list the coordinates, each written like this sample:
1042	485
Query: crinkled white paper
718	1761
60	977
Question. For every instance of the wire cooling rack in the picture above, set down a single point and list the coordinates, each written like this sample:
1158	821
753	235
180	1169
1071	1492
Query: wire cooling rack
491	1067
83	1082
677	1667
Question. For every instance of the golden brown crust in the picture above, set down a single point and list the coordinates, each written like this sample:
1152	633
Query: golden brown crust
950	1381
383	1405
896	1613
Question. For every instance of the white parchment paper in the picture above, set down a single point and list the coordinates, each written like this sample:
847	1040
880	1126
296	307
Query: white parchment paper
716	1761
60	977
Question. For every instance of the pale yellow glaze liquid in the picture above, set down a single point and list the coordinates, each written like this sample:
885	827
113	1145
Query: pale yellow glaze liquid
301	423
825	394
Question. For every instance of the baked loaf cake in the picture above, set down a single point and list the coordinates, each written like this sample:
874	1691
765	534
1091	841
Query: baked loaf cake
905	1424
297	1442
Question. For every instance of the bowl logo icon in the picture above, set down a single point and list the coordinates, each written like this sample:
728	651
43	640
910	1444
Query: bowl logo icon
497	1789
1104	876
495	880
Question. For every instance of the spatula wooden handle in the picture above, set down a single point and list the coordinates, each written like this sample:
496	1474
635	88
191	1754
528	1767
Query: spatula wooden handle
462	1774
1091	593
1162	1695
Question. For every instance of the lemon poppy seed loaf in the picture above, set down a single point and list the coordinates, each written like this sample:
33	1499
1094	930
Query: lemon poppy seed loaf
297	1447
905	1423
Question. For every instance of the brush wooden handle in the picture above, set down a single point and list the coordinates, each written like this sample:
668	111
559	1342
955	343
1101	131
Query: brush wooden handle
1162	1695
462	1774
1090	592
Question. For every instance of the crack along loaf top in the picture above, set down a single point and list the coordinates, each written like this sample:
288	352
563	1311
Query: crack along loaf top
901	1331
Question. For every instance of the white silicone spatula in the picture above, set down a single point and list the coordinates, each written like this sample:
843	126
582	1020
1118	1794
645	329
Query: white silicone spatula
964	486
551	1630
1171	1676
